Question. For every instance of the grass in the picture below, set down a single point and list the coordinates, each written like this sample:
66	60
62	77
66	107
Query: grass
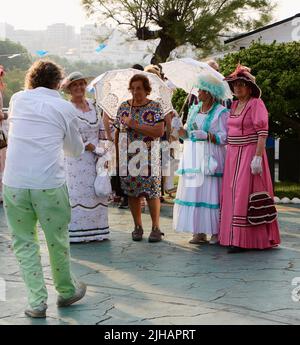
287	189
290	190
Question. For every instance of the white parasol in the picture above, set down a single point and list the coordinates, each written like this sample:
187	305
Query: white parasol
112	89
184	73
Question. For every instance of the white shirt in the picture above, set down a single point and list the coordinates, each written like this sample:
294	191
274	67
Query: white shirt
42	127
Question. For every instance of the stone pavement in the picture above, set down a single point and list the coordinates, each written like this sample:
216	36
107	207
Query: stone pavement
169	283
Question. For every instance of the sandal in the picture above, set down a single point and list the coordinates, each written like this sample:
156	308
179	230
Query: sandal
137	234
156	235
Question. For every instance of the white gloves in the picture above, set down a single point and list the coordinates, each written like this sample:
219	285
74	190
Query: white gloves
256	165
199	134
177	123
100	151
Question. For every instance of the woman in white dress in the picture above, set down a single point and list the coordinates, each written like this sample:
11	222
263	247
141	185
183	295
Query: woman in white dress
197	205
89	221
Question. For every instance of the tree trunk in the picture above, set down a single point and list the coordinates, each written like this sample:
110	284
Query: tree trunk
163	50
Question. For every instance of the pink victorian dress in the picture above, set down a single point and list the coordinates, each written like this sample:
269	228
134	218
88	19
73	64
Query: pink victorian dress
239	183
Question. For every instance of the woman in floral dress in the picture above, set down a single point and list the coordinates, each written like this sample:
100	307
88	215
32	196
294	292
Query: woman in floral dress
140	121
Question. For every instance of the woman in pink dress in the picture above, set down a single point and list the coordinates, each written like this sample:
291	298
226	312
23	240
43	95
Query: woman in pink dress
246	167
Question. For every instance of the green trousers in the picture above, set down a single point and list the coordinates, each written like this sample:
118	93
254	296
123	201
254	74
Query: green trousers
23	209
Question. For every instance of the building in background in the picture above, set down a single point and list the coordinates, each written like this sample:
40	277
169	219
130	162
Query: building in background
287	30
6	31
61	39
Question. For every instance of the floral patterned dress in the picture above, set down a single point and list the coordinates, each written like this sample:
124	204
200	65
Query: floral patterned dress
147	183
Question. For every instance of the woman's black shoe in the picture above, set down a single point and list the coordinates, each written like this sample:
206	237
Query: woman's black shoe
235	250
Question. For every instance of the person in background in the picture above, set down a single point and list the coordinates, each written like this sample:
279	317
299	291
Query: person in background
213	64
89	221
42	127
138	67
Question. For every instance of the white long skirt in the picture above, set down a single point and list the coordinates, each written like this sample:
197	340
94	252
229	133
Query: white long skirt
197	209
89	219
197	206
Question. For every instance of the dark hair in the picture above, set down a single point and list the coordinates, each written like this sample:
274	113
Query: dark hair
144	80
153	61
137	66
43	73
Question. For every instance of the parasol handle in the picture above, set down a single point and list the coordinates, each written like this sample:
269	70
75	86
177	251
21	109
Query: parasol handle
182	109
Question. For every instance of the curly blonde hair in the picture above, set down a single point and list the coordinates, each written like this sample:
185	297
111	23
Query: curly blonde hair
43	73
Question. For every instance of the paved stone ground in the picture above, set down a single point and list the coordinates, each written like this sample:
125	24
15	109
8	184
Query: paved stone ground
167	283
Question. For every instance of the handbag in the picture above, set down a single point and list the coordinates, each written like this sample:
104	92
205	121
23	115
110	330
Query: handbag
261	208
210	164
102	185
3	141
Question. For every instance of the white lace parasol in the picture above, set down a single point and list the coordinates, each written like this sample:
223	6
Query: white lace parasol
184	73
112	89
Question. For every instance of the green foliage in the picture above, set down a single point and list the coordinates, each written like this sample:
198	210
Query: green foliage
178	100
92	69
21	62
287	189
177	22
14	78
14	82
277	71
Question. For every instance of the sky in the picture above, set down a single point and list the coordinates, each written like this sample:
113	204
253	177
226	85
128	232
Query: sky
37	14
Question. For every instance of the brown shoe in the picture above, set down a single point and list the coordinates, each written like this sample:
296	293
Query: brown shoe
198	239
137	234
156	235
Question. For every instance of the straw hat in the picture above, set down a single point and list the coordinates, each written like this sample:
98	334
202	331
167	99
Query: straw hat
243	73
74	76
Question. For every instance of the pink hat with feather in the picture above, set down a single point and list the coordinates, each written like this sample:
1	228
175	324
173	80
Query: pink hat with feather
243	73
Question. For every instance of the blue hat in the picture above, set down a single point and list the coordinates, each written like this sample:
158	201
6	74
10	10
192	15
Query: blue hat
208	82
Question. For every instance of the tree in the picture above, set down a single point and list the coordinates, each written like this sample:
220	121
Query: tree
90	69
177	22
277	70
14	82
9	48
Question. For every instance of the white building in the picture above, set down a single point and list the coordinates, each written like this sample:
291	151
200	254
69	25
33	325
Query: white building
287	30
32	40
60	39
6	31
90	38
